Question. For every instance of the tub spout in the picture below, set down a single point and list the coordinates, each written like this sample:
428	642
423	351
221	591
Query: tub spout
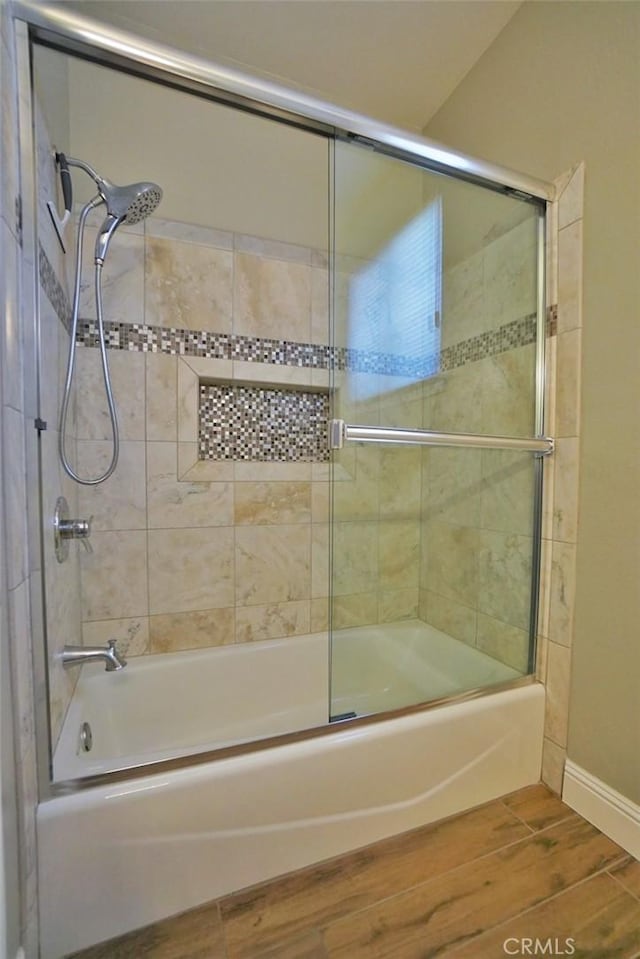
77	655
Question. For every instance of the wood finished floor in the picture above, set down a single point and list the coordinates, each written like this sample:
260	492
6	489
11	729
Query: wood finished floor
523	866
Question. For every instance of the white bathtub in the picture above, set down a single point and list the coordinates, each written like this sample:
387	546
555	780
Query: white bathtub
113	858
176	704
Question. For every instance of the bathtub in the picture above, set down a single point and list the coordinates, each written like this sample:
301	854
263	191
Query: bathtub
114	857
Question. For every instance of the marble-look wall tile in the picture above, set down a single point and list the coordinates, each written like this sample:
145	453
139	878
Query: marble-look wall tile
398	554
463	313
131	635
319	305
272	249
451	567
319	614
156	226
400	482
397	604
271	296
188	286
12	335
457	404
355	555
174	503
567	419
570	277
260	504
503	642
358	498
122	277
194	630
452	493
562	588
114	576
320	539
320	502
451	617
557	701
510	276
19	630
507	491
119	502
273	621
161	397
553	760
9	168
127	371
565	500
273	564
267	472
571	198
357	609
54	350
508	390
504	577
14	485
190	569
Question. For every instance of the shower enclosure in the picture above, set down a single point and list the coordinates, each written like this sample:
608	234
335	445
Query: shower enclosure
326	349
326	353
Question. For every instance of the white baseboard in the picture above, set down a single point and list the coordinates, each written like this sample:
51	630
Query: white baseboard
612	813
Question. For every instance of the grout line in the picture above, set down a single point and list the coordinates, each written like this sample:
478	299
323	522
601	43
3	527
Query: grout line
620	882
519	818
541	902
464	865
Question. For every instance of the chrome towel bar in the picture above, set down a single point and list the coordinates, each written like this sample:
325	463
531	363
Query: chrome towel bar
341	433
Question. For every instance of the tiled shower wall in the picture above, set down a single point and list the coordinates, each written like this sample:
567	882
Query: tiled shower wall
445	534
477	516
560	522
191	552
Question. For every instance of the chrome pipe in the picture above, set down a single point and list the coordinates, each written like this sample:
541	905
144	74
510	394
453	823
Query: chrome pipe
341	433
76	33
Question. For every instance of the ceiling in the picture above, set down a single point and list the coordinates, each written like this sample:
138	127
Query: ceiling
397	60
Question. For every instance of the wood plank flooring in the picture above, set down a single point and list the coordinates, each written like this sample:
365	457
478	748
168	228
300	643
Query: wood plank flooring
524	867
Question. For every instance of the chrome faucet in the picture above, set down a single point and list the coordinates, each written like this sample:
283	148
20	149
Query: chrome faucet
77	655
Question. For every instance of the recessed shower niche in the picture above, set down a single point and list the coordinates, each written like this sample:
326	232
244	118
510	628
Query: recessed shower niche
277	415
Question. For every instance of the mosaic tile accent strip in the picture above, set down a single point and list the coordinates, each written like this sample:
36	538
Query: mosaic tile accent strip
520	332
54	289
139	337
267	425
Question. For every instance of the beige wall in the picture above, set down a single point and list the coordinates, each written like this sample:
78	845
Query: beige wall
561	84
218	167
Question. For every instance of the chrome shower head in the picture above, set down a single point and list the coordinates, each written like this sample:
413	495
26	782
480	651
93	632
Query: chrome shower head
131	203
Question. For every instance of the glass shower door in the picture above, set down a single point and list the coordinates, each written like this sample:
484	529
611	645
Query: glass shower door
435	462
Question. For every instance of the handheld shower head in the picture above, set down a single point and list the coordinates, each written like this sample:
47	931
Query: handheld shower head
131	203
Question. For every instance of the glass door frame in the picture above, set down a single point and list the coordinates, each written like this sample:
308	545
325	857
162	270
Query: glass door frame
73	34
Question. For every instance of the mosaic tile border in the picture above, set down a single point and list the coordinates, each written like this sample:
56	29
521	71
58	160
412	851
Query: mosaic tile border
54	289
138	337
264	424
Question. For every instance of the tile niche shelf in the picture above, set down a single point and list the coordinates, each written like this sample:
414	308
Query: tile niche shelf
195	372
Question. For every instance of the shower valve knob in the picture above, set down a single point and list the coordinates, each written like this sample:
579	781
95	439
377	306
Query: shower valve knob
65	529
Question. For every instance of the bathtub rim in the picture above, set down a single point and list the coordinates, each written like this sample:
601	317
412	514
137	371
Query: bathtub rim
144	770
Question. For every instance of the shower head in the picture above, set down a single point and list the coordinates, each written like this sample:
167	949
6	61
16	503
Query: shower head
131	203
124	203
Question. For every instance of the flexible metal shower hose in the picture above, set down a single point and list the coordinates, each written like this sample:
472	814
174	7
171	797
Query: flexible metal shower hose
64	409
